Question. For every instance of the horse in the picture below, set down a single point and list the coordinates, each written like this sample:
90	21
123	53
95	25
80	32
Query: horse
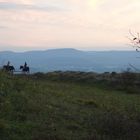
25	69
9	68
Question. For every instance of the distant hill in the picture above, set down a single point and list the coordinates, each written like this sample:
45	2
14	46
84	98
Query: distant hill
72	59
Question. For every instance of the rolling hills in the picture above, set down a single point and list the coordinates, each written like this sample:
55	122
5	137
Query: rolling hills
73	60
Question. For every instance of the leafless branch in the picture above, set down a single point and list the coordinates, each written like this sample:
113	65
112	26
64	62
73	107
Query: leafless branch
136	69
134	40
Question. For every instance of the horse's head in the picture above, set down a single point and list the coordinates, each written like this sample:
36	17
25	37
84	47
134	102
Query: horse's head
21	67
4	67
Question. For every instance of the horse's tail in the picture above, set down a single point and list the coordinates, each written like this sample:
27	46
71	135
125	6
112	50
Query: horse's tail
13	68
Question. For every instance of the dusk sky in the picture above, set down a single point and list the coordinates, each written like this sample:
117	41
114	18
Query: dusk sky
81	24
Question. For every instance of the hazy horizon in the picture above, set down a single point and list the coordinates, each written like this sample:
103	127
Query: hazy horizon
81	24
69	59
47	49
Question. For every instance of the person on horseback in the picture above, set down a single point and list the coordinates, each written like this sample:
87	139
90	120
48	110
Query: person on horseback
25	65
25	68
8	63
8	67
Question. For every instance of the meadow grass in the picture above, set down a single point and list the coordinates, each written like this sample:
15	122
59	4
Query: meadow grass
42	109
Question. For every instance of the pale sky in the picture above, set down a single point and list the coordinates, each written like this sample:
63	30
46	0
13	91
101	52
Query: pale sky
81	24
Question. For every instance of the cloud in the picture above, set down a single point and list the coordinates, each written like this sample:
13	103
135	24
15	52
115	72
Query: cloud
20	6
83	22
3	27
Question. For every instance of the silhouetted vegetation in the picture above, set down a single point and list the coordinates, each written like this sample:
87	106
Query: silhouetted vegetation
69	105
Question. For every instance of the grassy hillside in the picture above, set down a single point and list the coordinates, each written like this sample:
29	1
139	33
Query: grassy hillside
68	106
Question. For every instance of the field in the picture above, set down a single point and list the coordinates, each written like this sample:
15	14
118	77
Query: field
56	106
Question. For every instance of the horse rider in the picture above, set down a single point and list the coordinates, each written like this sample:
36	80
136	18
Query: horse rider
8	63
25	65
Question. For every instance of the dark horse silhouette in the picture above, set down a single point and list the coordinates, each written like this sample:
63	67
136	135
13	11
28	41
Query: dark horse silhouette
25	69
8	68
